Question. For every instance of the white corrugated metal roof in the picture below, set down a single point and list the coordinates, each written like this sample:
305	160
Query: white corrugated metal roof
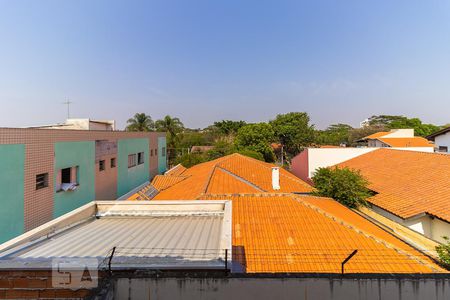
154	239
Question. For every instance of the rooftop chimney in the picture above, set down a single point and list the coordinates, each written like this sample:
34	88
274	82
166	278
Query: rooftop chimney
276	178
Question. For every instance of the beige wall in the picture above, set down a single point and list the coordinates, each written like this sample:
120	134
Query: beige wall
439	228
400	133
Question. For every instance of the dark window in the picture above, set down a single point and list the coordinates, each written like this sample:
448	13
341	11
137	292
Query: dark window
131	160
41	181
156	152
163	151
65	175
101	165
443	149
113	162
140	158
151	152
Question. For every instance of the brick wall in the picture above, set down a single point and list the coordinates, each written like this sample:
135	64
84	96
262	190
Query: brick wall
34	285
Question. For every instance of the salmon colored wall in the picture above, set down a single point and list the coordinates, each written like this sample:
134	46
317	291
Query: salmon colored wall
106	180
299	166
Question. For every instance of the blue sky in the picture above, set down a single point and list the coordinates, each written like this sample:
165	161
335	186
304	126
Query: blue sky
340	61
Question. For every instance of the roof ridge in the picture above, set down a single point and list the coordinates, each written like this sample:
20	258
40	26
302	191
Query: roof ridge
241	178
265	164
364	233
208	180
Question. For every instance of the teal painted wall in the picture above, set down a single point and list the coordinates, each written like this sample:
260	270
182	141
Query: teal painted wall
162	160
12	169
129	178
71	154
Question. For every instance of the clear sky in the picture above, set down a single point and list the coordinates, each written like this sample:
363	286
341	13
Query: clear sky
340	61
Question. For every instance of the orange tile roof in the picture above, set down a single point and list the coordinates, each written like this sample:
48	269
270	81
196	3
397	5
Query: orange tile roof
162	182
233	173
304	234
408	183
407	142
376	135
175	171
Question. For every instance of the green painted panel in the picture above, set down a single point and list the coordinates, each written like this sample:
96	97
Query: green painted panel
129	178
162	155
72	154
12	162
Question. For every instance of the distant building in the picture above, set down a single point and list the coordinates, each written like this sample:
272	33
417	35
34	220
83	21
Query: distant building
398	138
46	173
82	124
441	140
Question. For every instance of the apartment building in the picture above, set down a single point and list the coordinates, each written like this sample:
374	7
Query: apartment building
46	173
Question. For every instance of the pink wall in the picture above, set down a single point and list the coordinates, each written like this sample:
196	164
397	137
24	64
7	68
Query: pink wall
299	166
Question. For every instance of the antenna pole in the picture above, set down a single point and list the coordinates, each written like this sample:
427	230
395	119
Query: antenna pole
68	102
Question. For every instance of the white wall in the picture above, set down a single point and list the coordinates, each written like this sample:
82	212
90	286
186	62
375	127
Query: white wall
443	140
438	229
419	149
430	227
326	157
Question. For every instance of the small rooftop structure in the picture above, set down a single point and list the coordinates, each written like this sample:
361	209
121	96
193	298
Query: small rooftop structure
159	235
81	124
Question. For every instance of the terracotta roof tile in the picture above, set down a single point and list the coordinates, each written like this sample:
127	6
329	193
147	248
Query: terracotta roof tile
229	174
286	233
175	171
408	183
407	142
376	135
162	182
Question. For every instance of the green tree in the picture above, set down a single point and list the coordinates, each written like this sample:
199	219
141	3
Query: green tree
342	184
358	133
221	148
443	251
293	131
173	126
256	137
140	122
398	122
251	153
190	159
335	134
227	127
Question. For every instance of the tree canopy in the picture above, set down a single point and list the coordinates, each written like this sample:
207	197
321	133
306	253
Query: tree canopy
173	126
256	137
140	122
293	131
227	127
398	122
346	186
